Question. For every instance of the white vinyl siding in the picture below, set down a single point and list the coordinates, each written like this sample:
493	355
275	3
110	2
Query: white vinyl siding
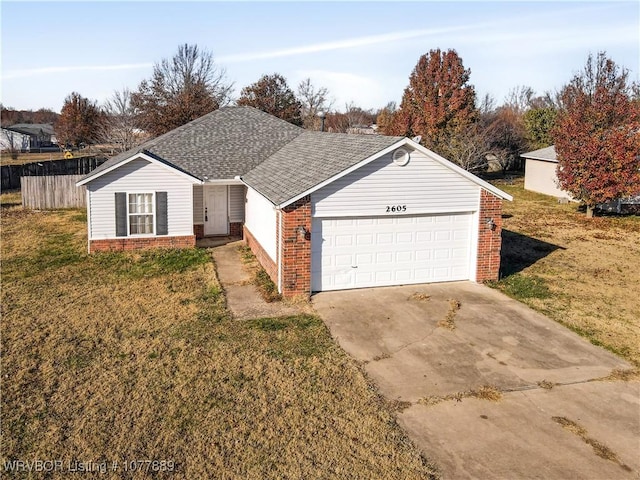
541	177
236	203
261	221
134	177
423	186
198	202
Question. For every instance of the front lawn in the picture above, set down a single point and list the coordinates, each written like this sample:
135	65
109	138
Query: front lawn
132	357
582	272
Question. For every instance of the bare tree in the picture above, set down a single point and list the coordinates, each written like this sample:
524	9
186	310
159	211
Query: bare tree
519	98
357	116
469	149
487	105
119	126
181	89
314	100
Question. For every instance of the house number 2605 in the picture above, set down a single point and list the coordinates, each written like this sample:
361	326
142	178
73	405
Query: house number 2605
396	208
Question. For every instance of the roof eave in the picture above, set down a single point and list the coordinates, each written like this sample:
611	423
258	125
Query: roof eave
146	156
405	141
530	157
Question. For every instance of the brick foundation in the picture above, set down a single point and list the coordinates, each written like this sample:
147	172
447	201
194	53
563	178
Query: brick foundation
265	260
296	248
236	229
198	231
489	240
136	243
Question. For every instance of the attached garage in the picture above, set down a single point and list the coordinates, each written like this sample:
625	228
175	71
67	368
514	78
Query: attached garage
357	252
358	212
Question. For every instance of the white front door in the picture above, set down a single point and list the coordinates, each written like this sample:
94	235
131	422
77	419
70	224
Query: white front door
379	251
215	210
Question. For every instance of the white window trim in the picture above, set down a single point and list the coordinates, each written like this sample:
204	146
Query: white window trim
153	213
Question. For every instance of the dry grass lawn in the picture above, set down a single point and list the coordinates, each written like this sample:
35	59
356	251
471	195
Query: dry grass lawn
123	357
22	158
582	272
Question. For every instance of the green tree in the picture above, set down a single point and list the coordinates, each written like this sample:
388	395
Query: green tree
182	88
80	121
271	94
597	134
538	125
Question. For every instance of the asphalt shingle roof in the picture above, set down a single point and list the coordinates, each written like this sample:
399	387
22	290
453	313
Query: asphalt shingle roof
310	159
547	153
221	145
278	159
32	128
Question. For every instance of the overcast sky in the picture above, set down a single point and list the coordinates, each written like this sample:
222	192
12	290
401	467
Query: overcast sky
361	51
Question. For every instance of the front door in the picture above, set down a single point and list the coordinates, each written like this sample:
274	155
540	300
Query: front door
215	210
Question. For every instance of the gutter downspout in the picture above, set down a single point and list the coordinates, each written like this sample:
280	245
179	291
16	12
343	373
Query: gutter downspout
279	213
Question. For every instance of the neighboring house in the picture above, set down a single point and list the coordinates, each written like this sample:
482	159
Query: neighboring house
13	141
540	176
321	211
28	136
363	129
540	172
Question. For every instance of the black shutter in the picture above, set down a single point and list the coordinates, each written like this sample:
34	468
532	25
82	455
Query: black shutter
162	225
121	214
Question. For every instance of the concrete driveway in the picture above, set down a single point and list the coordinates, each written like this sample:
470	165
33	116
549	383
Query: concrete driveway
432	348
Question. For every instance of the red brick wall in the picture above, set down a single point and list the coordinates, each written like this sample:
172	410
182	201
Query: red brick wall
136	243
296	251
265	260
235	229
489	240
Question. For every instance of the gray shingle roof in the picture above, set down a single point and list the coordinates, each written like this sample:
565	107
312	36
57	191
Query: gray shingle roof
548	154
222	144
32	128
310	159
275	157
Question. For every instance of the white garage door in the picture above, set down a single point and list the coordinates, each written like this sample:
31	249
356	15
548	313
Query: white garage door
379	251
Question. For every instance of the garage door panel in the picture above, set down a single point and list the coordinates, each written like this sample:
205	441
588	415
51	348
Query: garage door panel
364	259
378	251
384	238
404	237
364	239
424	237
384	257
343	260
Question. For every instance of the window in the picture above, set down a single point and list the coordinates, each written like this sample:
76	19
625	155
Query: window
140	213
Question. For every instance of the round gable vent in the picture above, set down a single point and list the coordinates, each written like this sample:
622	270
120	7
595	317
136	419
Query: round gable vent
401	157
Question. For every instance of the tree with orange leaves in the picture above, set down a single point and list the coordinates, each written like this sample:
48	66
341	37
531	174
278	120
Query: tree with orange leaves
439	103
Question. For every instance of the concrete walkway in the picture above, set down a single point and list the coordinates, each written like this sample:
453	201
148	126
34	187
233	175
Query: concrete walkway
243	298
425	346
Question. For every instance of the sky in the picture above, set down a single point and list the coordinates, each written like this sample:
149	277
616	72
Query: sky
362	51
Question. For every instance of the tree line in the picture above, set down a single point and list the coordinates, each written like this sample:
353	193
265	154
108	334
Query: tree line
593	120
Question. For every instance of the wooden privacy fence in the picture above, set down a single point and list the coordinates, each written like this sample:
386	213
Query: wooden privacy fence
53	191
11	174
